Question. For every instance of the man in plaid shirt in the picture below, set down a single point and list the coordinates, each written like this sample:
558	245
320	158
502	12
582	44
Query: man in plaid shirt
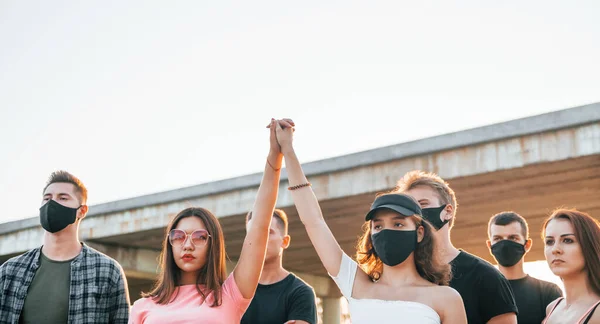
63	281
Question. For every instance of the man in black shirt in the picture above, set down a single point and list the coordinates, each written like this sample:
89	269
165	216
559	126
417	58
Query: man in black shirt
486	293
280	297
508	242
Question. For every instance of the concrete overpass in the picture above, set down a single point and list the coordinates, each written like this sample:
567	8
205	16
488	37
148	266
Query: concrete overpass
529	165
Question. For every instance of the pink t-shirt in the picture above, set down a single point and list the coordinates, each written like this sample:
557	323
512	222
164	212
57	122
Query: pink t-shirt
188	307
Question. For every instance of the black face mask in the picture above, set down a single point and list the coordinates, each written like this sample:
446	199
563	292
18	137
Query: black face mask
55	217
393	247
507	252
432	215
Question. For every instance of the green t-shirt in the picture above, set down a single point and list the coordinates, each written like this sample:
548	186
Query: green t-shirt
47	299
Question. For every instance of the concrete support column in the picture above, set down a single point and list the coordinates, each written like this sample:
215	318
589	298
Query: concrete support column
331	310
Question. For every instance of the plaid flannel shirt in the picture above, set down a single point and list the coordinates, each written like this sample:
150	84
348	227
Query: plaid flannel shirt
98	292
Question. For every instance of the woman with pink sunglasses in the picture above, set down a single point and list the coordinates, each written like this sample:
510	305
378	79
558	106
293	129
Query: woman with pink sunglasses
193	286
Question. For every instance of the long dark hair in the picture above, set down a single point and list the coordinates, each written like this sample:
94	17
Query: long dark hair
427	260
212	274
587	232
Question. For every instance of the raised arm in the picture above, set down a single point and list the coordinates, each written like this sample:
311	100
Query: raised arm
249	266
327	247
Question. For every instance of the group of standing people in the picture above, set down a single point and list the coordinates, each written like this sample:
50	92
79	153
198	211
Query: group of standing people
406	269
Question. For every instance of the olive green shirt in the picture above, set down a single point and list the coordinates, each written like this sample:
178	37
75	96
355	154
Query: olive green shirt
47	299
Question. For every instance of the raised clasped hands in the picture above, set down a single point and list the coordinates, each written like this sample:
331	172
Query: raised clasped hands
282	134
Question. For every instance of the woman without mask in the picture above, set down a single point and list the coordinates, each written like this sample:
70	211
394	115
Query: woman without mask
572	250
399	279
193	286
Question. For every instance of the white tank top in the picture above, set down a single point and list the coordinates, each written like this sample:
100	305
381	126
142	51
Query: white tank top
368	311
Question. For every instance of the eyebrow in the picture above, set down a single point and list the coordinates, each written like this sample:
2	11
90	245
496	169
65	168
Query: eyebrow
561	235
192	231
378	219
58	194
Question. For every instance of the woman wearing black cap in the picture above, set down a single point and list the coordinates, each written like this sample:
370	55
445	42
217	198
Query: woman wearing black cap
399	279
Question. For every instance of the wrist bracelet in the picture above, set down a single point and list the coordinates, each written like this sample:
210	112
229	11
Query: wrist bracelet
308	184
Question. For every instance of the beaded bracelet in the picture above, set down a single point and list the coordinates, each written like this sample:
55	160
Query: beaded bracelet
308	184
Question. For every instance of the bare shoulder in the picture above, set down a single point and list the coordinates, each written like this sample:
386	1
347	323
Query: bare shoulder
362	276
552	305
362	282
446	301
445	297
595	319
447	293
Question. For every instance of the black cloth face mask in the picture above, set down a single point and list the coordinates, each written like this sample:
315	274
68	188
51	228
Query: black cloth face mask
432	215
55	217
507	252
392	246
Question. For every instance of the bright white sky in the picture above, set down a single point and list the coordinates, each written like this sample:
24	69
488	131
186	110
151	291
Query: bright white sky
140	97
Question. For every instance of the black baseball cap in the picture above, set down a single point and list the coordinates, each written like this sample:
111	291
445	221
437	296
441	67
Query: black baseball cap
401	203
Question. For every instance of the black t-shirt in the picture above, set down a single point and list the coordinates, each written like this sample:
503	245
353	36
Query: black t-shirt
485	291
532	296
288	299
